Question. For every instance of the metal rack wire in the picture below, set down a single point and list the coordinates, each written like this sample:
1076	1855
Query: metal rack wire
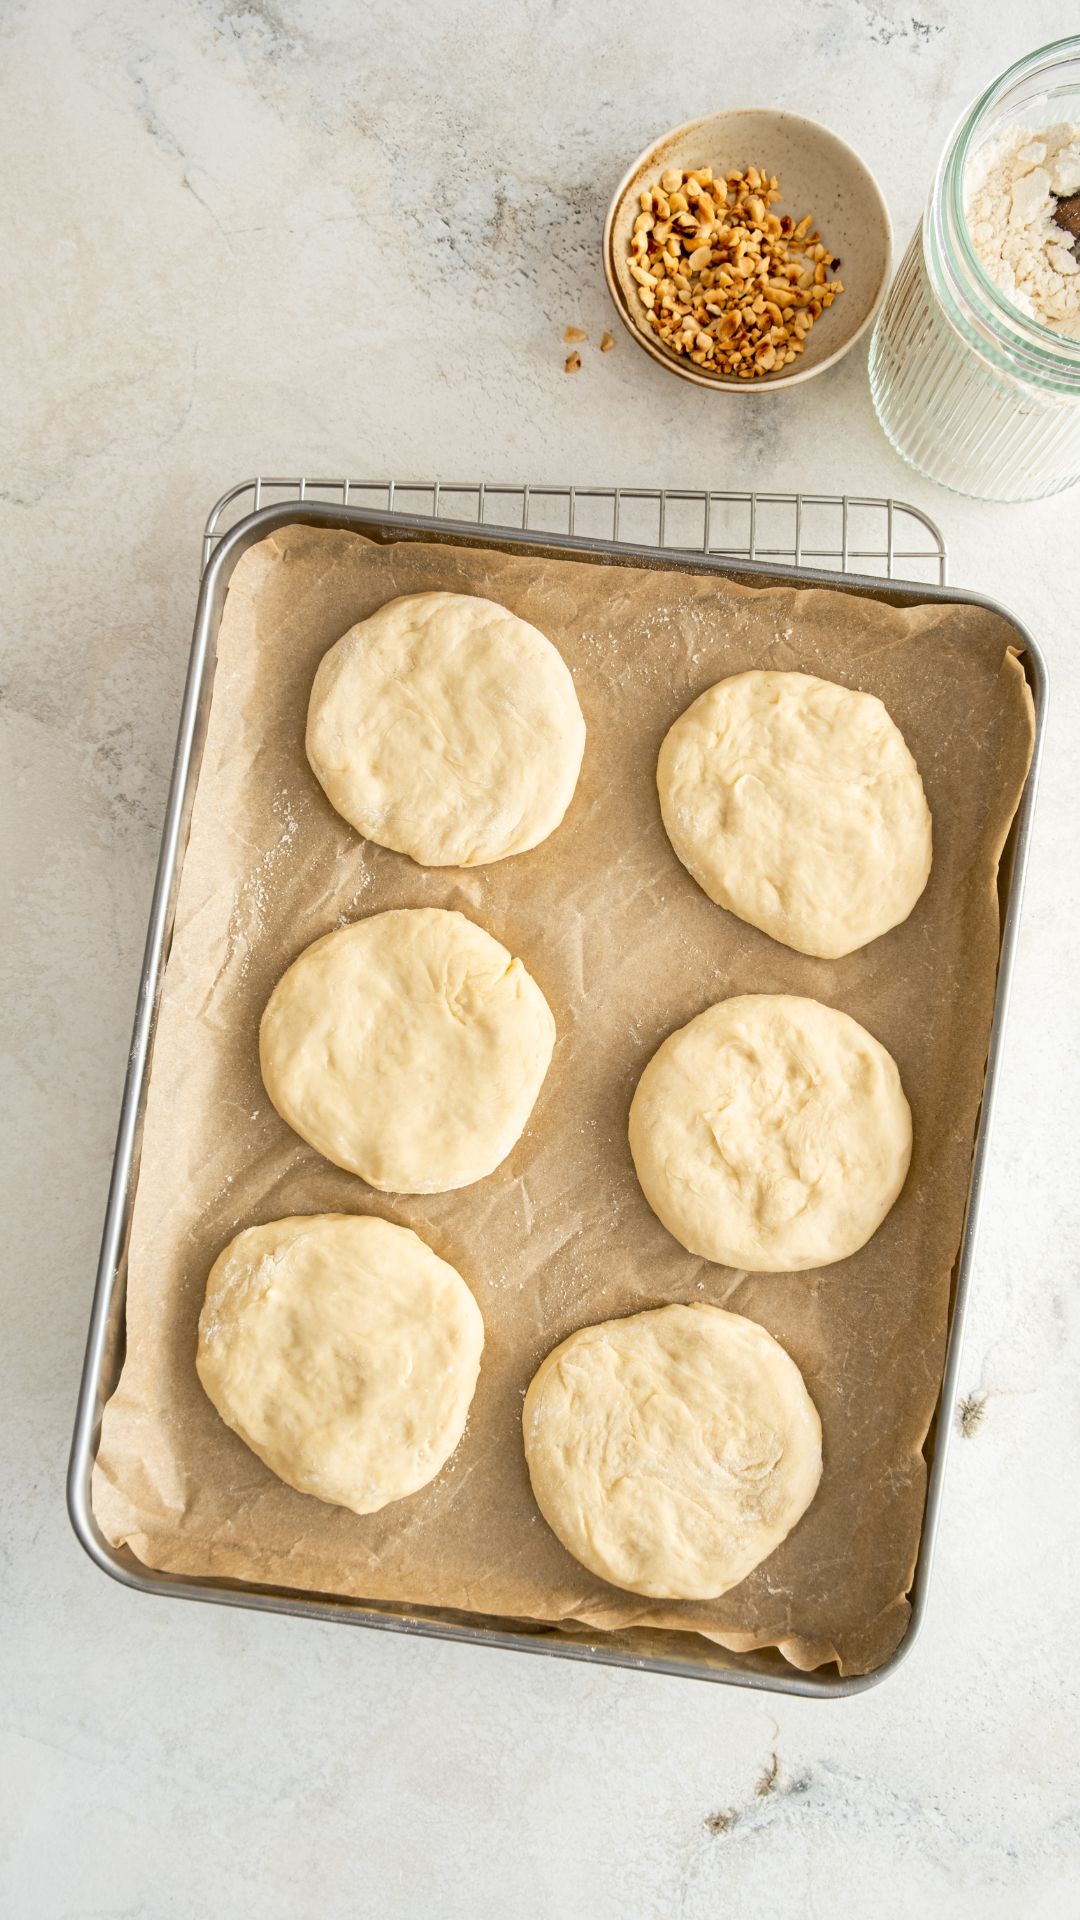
842	533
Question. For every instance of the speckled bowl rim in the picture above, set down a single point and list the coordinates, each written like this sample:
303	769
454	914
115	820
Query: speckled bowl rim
724	383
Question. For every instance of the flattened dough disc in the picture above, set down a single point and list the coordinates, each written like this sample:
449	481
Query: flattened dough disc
771	1133
673	1451
796	804
408	1048
446	728
344	1352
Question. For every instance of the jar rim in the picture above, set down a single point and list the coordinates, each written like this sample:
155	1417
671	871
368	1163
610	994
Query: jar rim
949	188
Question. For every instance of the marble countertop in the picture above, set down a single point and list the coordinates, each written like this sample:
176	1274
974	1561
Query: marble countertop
313	234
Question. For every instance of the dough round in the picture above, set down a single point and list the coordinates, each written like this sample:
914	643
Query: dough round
408	1048
673	1451
343	1352
448	729
796	804
771	1133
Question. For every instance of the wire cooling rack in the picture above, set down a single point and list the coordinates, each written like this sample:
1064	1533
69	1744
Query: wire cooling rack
841	533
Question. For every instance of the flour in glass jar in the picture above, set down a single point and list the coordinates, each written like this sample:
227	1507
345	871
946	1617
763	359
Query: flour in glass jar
1022	224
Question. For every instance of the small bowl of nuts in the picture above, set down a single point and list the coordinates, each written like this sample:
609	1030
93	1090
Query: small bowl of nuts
748	250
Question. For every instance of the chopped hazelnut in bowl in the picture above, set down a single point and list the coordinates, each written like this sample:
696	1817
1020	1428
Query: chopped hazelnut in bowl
747	250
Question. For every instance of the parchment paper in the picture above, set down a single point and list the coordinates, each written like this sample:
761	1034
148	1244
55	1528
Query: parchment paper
626	947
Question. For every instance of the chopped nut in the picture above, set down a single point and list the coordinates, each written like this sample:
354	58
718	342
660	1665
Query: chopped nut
722	280
572	363
607	341
574	333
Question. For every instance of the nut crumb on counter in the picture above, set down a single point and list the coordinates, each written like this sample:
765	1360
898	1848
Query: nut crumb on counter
574	333
572	363
970	1413
607	341
724	281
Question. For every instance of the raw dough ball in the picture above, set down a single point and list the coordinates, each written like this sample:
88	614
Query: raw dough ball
446	728
796	804
408	1048
771	1133
344	1352
673	1451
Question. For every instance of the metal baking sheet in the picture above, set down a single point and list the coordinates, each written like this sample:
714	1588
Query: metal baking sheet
646	1649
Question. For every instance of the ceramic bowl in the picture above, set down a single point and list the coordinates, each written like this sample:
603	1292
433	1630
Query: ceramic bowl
819	174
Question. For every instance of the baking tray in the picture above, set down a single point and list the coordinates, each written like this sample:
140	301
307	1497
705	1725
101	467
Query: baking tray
648	1649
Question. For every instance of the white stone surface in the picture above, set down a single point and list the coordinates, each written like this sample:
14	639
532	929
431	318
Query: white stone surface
307	234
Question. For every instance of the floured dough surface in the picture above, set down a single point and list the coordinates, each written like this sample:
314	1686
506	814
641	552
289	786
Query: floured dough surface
771	1133
344	1352
448	729
796	804
673	1451
408	1048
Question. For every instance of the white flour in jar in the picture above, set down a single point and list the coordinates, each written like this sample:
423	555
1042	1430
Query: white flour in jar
1012	189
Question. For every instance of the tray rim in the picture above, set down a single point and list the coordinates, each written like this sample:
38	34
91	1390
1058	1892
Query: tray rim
110	1282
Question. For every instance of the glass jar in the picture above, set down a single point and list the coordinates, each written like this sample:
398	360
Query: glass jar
974	393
